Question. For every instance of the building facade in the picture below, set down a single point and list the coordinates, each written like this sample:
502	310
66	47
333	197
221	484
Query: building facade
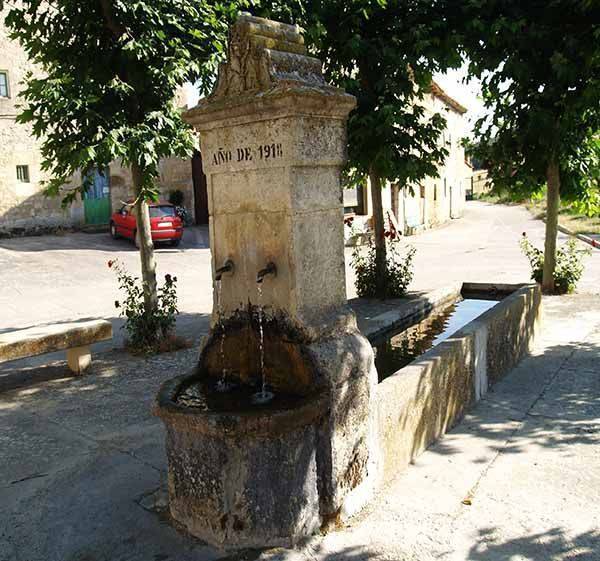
23	206
434	200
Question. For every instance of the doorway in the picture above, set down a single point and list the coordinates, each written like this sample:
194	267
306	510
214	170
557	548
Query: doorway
96	201
200	190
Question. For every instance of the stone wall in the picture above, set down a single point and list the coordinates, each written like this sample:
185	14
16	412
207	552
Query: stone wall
481	184
174	174
420	402
23	207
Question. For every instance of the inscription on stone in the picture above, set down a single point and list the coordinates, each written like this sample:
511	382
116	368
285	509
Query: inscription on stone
248	153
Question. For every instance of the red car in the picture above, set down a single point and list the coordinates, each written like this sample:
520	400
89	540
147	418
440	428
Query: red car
165	224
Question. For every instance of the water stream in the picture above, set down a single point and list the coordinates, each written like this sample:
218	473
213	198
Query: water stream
222	385
263	396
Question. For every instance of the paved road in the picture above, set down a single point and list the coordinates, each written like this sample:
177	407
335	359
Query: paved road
61	278
82	459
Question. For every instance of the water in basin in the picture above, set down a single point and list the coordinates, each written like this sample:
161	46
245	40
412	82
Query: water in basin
399	349
209	396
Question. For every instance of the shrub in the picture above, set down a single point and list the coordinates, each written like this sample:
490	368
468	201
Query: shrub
176	197
398	273
148	331
569	264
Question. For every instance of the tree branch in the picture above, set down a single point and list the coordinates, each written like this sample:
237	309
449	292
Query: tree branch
112	24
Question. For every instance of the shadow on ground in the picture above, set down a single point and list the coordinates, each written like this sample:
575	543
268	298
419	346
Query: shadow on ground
78	454
194	237
34	370
555	544
551	411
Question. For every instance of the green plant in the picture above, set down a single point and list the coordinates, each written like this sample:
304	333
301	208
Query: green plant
147	329
176	197
398	272
569	264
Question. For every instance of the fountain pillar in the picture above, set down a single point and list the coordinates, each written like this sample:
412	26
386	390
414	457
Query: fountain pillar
273	140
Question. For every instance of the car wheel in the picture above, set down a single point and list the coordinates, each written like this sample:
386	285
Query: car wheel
113	231
176	242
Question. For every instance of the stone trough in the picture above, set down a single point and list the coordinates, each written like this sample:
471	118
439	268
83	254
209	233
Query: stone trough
420	402
243	478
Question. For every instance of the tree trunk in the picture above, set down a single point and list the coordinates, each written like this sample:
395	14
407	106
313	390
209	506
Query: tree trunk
395	198
144	236
552	204
379	228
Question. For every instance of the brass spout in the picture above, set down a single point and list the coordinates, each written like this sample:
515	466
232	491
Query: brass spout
226	268
270	269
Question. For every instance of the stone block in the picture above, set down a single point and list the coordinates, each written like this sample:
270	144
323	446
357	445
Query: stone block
422	401
512	329
315	188
47	338
347	454
243	479
79	358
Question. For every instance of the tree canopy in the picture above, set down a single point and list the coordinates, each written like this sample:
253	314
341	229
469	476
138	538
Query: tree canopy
539	63
109	72
384	53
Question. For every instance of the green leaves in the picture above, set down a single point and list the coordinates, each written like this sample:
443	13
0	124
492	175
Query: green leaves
539	64
569	263
108	75
384	52
146	329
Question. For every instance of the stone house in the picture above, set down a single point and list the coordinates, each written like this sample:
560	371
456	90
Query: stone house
23	206
436	199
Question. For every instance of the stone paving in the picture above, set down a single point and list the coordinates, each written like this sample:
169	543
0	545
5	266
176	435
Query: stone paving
64	278
83	463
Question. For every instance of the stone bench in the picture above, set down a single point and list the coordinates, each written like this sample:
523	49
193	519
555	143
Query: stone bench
75	337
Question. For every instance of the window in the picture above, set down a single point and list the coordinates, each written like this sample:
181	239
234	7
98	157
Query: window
23	174
161	211
3	84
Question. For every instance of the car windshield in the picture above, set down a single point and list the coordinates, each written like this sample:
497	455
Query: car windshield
161	211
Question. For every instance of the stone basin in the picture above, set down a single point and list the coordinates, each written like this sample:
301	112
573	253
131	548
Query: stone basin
243	478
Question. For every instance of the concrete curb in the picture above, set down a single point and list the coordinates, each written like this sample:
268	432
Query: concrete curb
591	241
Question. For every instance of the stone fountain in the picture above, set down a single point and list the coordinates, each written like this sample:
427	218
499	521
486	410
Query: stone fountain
245	472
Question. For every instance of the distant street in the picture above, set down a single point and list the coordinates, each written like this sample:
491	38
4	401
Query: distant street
58	278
